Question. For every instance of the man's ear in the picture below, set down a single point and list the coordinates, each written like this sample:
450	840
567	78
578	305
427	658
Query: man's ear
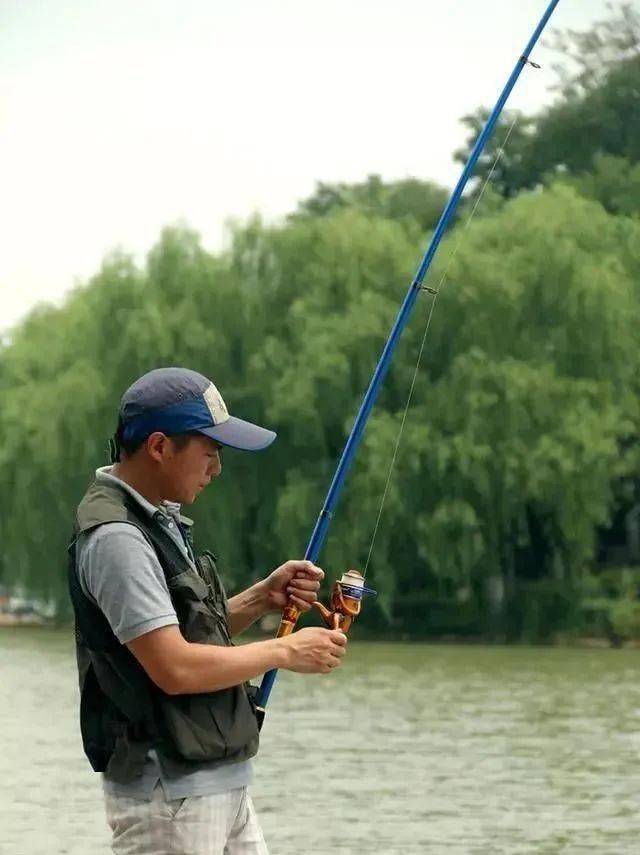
157	444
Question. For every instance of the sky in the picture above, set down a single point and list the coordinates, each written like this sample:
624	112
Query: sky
118	117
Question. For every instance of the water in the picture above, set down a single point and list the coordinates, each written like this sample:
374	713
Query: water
406	749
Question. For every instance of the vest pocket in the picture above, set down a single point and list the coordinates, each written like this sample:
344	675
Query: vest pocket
201	619
212	725
191	728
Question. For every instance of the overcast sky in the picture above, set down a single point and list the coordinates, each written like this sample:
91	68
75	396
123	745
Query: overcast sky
120	116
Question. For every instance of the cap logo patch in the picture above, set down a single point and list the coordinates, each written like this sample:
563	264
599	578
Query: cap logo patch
217	407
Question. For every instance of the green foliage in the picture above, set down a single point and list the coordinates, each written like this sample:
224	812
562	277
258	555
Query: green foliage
504	156
410	201
610	603
612	181
625	618
587	56
512	441
539	608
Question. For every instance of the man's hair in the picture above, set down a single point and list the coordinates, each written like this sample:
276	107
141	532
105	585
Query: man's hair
120	447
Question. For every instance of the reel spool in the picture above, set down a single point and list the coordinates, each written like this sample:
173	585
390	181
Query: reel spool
346	601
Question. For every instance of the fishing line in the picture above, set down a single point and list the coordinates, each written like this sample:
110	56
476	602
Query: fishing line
291	613
435	291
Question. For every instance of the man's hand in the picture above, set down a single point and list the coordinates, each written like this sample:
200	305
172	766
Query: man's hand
313	650
298	581
295	580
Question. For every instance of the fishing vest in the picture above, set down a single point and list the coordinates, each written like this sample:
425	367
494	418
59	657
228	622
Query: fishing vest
122	712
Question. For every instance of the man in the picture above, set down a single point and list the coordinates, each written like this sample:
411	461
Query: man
165	710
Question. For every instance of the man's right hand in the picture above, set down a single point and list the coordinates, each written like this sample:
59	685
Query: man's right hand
314	650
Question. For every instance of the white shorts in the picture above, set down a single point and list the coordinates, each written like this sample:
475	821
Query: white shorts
223	824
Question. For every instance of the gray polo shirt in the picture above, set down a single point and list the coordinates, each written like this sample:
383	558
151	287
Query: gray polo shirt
120	572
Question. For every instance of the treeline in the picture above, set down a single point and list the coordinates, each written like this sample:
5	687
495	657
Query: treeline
521	442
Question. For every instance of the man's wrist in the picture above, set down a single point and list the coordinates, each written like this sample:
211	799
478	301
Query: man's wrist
280	653
247	607
261	593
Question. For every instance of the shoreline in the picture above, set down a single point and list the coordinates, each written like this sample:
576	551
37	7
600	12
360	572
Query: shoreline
12	622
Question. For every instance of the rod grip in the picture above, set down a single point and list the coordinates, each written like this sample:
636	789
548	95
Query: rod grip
288	620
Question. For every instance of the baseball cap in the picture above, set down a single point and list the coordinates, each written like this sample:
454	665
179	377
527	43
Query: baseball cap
178	400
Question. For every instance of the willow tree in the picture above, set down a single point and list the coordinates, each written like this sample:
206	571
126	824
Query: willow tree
516	432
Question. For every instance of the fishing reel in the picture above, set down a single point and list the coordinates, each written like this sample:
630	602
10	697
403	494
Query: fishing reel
344	605
346	601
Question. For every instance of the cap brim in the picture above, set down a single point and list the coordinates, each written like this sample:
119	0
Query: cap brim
237	433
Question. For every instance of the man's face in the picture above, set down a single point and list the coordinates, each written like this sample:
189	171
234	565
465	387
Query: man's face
189	469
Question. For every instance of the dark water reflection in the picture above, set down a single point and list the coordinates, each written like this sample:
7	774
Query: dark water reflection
407	749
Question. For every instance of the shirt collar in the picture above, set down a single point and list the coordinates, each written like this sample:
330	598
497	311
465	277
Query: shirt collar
104	476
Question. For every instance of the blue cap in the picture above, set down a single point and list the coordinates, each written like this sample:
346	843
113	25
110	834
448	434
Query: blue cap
177	400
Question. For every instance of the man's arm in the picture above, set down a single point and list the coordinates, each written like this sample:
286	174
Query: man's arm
119	570
121	573
247	607
295	580
180	667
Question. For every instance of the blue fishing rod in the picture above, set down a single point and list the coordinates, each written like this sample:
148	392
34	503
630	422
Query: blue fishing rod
350	590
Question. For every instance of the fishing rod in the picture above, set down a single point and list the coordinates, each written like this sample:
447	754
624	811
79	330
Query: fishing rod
348	591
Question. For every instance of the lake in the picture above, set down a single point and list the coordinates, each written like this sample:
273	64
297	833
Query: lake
408	748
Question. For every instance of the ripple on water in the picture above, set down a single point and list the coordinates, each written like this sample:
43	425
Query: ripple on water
407	749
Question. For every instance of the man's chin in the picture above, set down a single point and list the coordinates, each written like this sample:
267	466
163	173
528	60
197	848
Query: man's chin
193	496
189	498
183	498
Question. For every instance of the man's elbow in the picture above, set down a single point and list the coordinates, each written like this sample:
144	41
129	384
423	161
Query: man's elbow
171	685
169	680
163	655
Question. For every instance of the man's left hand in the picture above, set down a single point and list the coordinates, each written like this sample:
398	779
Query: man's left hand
295	581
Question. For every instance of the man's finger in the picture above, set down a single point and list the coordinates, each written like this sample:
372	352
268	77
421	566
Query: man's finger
301	584
307	596
303	605
306	568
